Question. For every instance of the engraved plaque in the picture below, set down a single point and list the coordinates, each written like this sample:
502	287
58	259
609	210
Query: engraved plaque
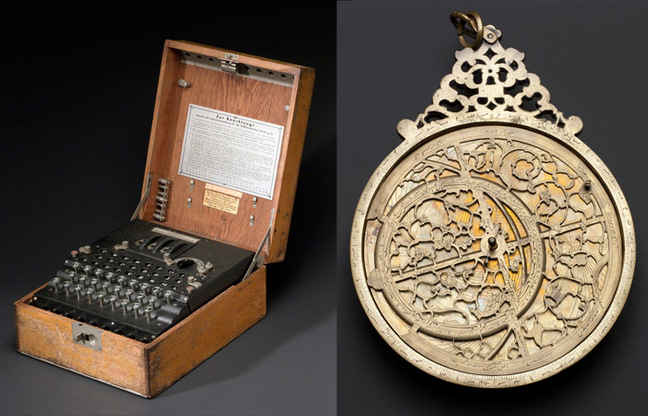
492	248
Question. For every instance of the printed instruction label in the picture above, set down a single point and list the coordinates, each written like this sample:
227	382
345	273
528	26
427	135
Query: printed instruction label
223	190
216	200
229	150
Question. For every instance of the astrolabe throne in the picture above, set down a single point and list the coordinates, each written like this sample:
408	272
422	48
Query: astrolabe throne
492	248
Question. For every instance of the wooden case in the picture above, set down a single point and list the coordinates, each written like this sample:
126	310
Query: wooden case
229	82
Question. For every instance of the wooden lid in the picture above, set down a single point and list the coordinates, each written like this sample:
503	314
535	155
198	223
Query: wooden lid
228	133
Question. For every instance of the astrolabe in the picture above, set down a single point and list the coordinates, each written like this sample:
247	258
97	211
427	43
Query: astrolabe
492	247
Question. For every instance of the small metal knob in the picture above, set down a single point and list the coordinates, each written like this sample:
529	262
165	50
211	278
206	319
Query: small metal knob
145	287
124	305
136	307
66	286
77	289
100	296
168	295
112	299
55	282
148	311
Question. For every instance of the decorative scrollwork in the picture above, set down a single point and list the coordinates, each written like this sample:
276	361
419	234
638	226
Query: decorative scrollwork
493	240
492	247
491	79
495	246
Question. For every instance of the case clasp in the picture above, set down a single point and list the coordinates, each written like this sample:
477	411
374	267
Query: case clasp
86	335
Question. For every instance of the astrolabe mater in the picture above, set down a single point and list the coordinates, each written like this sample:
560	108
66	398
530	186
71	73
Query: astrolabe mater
492	247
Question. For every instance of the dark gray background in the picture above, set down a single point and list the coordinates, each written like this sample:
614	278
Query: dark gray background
592	58
77	97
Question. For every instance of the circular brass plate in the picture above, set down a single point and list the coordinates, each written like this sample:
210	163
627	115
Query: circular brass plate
493	254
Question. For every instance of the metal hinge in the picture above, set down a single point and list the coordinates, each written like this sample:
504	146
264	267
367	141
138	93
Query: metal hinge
230	64
259	257
147	192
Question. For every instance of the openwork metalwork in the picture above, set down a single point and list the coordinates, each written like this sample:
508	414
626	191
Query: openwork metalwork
492	247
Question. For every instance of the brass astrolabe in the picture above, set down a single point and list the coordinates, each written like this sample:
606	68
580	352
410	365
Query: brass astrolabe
492	247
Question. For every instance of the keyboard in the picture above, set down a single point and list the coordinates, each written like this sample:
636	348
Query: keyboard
142	279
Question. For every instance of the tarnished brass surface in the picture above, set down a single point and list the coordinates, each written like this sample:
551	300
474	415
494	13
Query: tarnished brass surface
492	247
475	28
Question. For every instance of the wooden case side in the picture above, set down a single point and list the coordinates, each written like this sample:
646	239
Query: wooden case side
206	331
47	336
296	133
163	120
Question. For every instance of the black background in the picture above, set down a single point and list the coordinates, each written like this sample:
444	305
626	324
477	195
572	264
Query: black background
77	95
391	58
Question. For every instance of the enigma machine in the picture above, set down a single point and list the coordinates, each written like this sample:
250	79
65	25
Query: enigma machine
492	247
142	286
221	173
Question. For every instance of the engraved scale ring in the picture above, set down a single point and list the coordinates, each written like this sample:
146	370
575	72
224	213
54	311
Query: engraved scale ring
492	247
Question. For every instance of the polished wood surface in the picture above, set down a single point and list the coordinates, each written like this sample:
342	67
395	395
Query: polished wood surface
247	97
206	331
148	369
144	369
47	336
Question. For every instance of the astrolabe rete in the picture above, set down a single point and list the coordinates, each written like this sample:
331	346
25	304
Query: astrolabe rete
492	247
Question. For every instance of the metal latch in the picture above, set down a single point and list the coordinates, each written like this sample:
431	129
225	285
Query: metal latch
86	335
229	66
